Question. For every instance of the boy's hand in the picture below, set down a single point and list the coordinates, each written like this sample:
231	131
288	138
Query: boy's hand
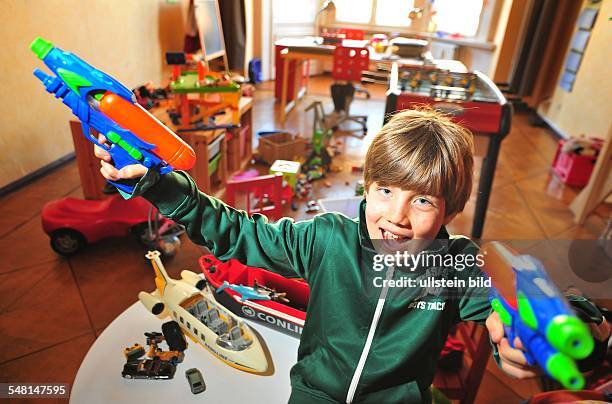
110	172
512	360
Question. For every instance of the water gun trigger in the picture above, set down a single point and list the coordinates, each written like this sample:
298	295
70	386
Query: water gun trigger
87	132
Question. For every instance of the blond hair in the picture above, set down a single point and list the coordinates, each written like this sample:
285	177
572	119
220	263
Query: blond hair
422	150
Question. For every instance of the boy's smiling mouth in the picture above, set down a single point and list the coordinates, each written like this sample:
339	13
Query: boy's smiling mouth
388	235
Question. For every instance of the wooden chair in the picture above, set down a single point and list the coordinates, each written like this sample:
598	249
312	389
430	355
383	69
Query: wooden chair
349	62
463	384
258	187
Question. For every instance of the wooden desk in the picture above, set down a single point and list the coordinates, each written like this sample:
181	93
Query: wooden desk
293	53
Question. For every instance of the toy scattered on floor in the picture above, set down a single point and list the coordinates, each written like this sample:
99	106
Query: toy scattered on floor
148	96
318	161
285	310
102	103
214	91
532	309
195	380
312	207
357	169
191	303
359	188
73	223
289	169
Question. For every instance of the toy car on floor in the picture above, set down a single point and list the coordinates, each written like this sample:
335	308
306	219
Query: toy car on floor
148	369
282	302
190	302
195	380
73	223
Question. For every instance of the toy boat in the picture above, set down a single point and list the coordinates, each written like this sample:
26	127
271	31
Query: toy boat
258	294
190	302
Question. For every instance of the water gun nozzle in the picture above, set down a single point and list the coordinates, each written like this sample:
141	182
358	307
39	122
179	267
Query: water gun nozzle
41	47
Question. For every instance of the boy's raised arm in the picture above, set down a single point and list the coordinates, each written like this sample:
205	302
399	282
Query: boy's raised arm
283	247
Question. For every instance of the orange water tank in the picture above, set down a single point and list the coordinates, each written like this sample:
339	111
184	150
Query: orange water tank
169	147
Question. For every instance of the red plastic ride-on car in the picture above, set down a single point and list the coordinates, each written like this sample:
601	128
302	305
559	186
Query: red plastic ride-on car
73	223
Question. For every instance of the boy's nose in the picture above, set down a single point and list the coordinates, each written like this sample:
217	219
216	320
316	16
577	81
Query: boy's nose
400	216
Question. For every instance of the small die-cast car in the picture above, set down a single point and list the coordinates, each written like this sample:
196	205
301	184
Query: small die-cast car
148	369
196	382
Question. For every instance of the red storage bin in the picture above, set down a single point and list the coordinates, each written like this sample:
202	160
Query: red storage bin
575	169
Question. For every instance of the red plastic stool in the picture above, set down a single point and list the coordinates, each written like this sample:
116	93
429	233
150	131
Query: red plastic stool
270	185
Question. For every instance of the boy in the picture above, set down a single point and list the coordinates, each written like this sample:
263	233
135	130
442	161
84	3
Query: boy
365	340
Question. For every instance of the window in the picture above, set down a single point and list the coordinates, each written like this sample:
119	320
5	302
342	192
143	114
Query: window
182	320
188	325
294	12
354	11
393	13
448	16
457	17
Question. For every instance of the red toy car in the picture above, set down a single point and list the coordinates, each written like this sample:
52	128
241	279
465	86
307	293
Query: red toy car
73	223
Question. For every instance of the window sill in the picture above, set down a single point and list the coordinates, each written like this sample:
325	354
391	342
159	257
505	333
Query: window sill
467	42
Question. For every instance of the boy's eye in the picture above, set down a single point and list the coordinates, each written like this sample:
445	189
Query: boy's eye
384	191
422	201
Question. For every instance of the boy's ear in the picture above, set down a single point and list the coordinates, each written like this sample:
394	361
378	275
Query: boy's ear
449	218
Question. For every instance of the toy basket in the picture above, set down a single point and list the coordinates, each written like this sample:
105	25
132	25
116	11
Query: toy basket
347	206
280	146
574	169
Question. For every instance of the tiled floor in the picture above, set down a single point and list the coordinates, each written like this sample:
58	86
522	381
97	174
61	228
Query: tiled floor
52	309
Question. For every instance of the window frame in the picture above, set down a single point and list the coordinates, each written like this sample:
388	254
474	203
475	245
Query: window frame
487	23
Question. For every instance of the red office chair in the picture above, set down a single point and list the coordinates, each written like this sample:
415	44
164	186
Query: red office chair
258	188
463	384
349	62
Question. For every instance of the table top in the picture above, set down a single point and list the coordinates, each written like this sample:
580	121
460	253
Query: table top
99	377
313	46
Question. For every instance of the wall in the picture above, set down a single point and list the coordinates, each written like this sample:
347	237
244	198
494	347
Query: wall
588	108
124	38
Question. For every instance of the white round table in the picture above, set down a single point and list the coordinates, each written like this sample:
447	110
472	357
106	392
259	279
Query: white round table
99	377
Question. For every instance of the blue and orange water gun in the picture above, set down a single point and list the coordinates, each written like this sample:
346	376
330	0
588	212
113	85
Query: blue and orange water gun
532	308
107	106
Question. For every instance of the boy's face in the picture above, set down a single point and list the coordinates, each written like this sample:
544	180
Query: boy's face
396	216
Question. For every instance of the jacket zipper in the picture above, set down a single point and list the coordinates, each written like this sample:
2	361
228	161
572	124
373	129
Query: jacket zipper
366	349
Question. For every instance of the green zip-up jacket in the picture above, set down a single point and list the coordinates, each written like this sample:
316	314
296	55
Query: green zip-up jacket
361	342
